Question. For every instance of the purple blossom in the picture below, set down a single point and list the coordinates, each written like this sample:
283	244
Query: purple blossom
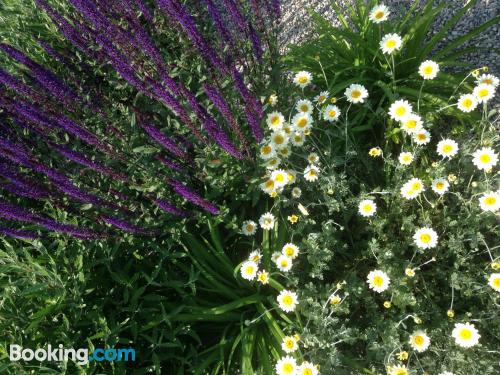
276	8
169	145
16	85
169	163
192	196
144	9
24	186
122	224
236	16
219	23
256	43
17	233
167	207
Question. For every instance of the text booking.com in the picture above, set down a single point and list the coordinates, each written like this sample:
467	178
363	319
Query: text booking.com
79	356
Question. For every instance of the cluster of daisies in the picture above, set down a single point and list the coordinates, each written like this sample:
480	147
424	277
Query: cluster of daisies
486	85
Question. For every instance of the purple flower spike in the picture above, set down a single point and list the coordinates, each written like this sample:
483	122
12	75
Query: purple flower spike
236	16
19	234
169	163
169	145
192	196
219	23
122	224
167	207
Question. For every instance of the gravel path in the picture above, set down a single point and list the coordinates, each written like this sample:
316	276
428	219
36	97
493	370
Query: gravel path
297	24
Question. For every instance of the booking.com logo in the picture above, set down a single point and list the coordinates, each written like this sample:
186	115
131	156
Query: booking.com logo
80	356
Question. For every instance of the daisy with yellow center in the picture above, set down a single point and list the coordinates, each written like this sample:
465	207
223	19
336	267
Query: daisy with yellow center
289	344
266	221
302	79
490	201
428	69
387	304
313	158
391	43
410	272
379	14
263	277
356	93
284	152
399	370
402	355
400	110
280	178
412	124
311	173
279	139
273	163
268	186
255	256
485	158
488	79
301	122
290	250
249	227
440	186
284	263
447	148
273	100
484	92
297	139
287	300
322	97
304	106
331	113
419	341
367	208
405	158
425	238
465	335
375	152
293	219
307	368
335	299
378	281
249	270
422	137
267	151
275	121
494	281
286	366
467	103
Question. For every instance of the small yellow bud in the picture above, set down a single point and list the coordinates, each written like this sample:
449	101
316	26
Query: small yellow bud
293	219
495	265
485	69
402	355
450	313
375	152
410	272
335	300
417	320
387	304
333	100
273	194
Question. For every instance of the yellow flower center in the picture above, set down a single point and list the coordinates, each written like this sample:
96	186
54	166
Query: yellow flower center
268	221
249	270
287	300
465	334
378	281
367	208
279	139
490	201
356	94
321	98
379	14
401	371
312	173
288	368
275	120
422	137
428	70
416	186
447	149
391	43
485	158
269	184
419	340
401	111
297	138
249	227
289	251
280	178
410	124
467	103
302	80
266	150
302	122
425	238
483	92
304	108
496	282
332	113
290	344
487	81
307	371
440	185
406	158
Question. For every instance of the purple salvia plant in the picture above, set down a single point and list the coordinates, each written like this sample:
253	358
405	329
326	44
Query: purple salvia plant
219	23
256	43
169	163
192	196
144	9
168	207
19	234
169	144
122	224
276	8
27	186
17	86
237	18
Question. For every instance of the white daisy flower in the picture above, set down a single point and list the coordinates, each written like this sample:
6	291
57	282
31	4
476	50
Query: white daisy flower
313	158
425	238
488	79
412	124
263	277
273	163
356	93
379	14
422	137
255	256
400	110
440	186
485	158
280	177
399	370
311	173
298	139
249	270
490	201
428	69
249	227
286	366
279	139
378	281
296	192
307	368
266	221
287	300
275	121
290	250
268	186
405	158
447	148
367	208
465	335
284	263
304	106
331	113
467	103
494	281
322	97
273	100
267	151
302	79
391	43
289	344
416	184
301	122
484	92
419	341
284	152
